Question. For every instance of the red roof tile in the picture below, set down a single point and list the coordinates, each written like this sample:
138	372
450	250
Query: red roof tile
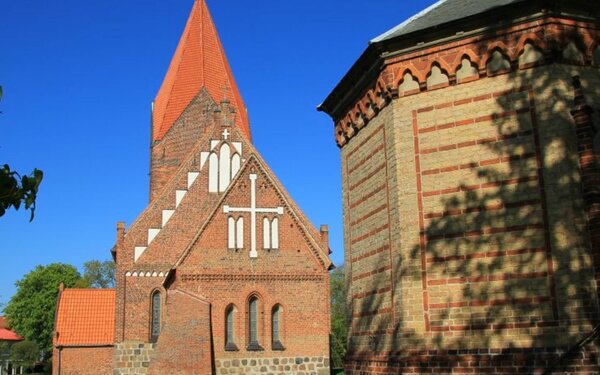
8	335
86	317
199	61
5	333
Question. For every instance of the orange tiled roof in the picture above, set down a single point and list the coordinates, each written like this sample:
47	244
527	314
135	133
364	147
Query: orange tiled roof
5	333
8	335
199	61
86	317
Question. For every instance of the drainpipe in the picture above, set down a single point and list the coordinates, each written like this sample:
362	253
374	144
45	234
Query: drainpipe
59	348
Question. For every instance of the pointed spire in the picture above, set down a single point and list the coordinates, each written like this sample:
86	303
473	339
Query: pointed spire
199	61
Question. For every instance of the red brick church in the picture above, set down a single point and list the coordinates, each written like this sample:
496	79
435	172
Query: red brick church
222	272
471	186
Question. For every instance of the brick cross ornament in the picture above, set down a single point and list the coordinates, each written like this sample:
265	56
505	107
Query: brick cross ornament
253	210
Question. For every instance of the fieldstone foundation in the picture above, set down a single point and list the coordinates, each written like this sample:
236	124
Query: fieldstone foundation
292	365
133	358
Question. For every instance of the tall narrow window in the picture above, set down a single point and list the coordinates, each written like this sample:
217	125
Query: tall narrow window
276	328
235	165
253	324
270	234
224	167
235	233
231	233
275	234
240	233
229	329
155	327
266	234
213	173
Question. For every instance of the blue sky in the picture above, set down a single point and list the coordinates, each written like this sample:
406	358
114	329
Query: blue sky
79	77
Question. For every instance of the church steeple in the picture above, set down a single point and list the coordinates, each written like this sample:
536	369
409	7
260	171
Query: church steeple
199	62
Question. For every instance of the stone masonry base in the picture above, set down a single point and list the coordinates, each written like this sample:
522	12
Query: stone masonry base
133	358
275	366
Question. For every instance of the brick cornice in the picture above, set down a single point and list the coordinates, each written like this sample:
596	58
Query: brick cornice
550	36
193	277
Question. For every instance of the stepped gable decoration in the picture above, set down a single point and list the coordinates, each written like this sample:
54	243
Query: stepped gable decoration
213	163
199	61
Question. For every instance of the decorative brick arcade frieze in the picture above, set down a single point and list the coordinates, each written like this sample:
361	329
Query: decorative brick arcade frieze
520	47
250	277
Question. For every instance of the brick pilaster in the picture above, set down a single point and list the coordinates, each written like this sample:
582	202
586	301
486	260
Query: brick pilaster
590	169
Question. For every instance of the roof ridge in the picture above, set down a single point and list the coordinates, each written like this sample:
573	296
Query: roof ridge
406	22
198	62
185	35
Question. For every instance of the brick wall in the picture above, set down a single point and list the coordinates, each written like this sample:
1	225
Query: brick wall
167	154
293	276
465	228
184	345
83	361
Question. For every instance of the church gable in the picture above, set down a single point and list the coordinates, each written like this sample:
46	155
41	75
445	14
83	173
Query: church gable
254	223
188	199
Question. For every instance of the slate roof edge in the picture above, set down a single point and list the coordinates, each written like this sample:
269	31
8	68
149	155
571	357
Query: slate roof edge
393	30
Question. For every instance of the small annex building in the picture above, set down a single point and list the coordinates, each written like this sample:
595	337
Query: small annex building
222	272
84	331
8	337
471	186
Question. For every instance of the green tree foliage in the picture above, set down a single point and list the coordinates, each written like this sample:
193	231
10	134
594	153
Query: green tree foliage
25	353
30	311
16	190
340	317
99	274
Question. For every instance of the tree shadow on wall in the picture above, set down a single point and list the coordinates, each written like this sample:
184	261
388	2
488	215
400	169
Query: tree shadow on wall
505	249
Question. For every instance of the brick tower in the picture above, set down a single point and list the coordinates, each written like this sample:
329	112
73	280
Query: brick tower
222	272
471	189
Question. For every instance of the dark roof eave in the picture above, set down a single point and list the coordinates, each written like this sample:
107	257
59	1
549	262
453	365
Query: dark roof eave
357	78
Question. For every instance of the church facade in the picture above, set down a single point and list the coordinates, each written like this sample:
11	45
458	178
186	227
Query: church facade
222	273
468	140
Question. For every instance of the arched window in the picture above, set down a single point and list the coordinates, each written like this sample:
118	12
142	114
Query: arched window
155	323
253	343
230	329
276	328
